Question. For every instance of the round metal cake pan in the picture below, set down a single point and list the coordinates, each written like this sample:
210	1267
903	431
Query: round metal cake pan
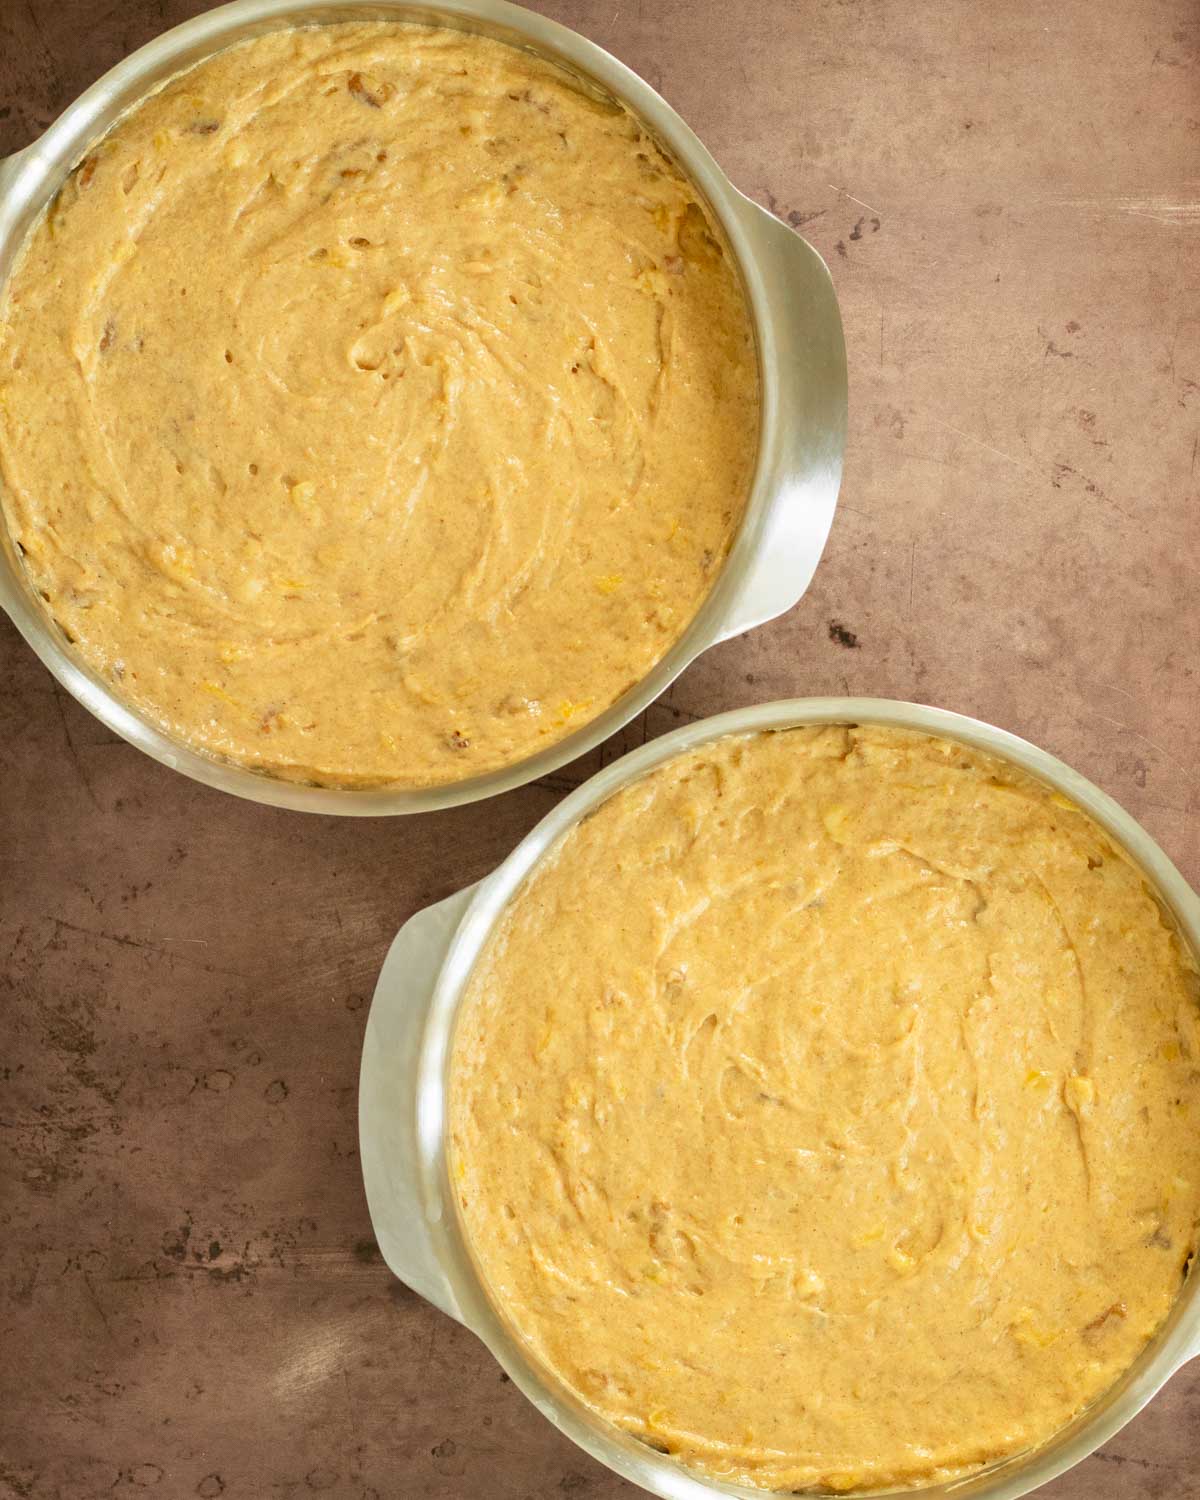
801	361
404	1082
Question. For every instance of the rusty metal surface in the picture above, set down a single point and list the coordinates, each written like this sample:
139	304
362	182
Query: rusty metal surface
1009	198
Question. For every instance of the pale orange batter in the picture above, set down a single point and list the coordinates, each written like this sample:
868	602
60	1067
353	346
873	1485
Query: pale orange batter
824	1110
376	405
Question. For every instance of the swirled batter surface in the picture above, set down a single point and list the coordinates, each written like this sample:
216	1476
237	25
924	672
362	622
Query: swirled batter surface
375	406
824	1110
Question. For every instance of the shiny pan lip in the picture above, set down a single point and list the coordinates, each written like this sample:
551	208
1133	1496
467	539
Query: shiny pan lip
801	360
404	1086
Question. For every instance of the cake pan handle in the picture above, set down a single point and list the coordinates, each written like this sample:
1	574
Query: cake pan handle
387	1136
804	368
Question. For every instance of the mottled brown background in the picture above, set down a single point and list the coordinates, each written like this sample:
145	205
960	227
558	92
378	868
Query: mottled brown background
1009	197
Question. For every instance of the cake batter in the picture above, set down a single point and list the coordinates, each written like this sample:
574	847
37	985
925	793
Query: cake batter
824	1110
376	406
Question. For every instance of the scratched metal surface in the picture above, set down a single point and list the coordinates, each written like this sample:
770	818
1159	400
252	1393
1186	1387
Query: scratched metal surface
1009	198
